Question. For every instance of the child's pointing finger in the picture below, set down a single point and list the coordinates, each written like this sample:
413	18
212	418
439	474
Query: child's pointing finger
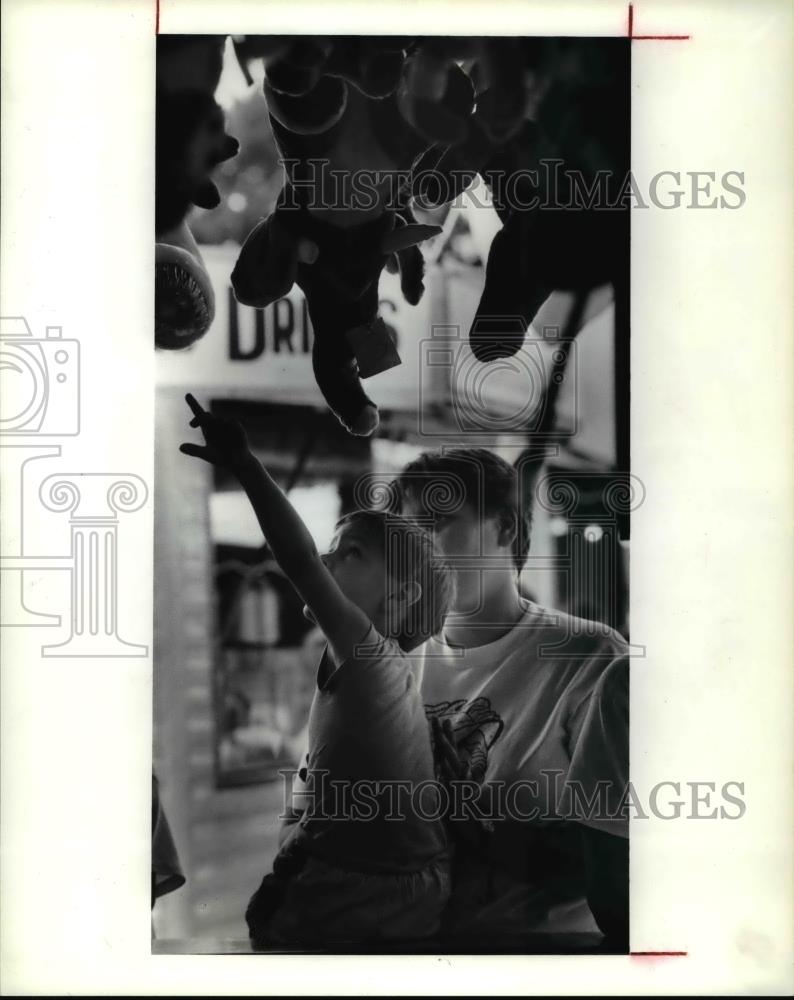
196	407
198	451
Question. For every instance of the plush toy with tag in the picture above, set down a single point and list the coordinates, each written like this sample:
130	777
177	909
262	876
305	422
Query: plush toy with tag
338	269
349	129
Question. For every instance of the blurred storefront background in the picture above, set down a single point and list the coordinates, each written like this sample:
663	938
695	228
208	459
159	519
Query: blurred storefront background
234	658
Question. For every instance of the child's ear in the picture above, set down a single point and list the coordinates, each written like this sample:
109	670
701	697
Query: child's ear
508	527
405	595
411	593
267	265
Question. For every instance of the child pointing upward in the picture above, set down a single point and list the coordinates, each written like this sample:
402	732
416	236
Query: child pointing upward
362	863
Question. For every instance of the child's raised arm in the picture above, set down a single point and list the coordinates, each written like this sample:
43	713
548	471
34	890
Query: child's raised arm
293	548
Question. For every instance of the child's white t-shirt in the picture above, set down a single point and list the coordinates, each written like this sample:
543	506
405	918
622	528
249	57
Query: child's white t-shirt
369	765
541	714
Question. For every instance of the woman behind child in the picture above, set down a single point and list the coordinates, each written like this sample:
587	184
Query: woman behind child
368	859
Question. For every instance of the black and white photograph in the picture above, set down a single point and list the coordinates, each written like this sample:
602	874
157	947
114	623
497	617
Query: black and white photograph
393	495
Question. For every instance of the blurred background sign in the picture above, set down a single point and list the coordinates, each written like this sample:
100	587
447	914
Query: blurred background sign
266	353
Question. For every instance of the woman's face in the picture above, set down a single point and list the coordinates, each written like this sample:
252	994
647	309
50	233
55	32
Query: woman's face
471	544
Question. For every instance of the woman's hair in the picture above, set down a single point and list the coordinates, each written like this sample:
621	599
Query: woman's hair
410	556
439	482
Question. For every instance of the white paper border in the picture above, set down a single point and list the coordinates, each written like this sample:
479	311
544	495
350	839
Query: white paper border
711	546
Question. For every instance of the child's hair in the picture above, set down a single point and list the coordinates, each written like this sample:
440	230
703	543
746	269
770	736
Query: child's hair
469	475
410	556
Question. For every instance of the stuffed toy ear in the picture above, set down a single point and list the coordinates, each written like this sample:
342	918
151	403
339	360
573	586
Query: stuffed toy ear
373	70
296	69
511	296
189	63
412	271
338	380
439	120
440	176
430	63
184	303
207	195
536	253
190	142
267	266
411	265
312	113
249	48
500	108
379	72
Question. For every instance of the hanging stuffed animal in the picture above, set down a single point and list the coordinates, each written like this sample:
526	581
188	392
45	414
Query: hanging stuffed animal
552	114
340	108
351	341
422	109
190	142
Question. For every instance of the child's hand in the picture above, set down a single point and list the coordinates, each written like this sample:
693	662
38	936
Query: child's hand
226	443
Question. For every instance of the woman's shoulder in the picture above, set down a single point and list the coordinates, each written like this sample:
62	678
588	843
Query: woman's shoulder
568	634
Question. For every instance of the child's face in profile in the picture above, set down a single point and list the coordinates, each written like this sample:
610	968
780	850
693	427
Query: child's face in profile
357	564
